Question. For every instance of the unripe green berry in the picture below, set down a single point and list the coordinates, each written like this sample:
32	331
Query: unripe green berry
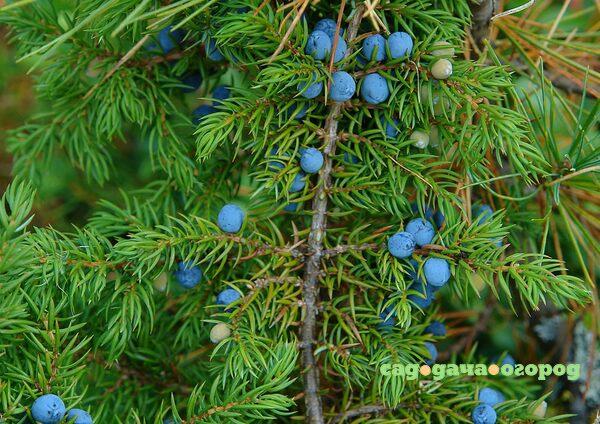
443	49
219	332
441	69
420	139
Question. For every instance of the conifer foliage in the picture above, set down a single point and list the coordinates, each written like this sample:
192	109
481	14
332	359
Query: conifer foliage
327	179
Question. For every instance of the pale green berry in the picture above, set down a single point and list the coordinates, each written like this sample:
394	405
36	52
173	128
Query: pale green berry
420	139
441	69
442	48
434	136
219	332
160	283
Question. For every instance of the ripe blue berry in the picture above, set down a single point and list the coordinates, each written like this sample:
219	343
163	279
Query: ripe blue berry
483	414
421	230
188	275
391	127
490	396
373	47
482	213
340	50
350	158
427	211
48	409
318	45
439	219
387	317
192	82
230	218
436	328
300	111
401	245
212	52
311	91
400	45
425	296
274	165
328	26
298	183
374	89
200	112
227	296
437	271
509	360
343	86
220	93
291	207
433	353
169	40
79	416
311	160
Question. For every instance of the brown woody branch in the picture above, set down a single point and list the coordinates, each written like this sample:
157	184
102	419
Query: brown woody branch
314	409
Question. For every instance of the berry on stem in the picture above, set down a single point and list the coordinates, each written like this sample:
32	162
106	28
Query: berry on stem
436	328
200	112
318	45
212	52
311	160
328	26
400	44
340	50
441	69
390	127
437	271
387	317
374	89
483	414
219	333
443	49
220	93
230	218
490	396
425	296
343	86
420	139
373	47
227	296
421	230
310	91
188	275
433	353
401	245
298	183
192	82
48	409
79	416
169	40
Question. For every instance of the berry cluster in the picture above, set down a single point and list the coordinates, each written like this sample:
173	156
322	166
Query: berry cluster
420	232
50	409
484	413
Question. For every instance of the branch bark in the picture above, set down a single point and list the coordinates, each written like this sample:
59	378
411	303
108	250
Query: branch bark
482	11
310	292
363	410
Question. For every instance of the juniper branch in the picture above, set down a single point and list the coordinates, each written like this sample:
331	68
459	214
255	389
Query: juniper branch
314	410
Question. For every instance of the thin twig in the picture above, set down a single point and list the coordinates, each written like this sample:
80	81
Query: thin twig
120	63
289	31
310	289
358	412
